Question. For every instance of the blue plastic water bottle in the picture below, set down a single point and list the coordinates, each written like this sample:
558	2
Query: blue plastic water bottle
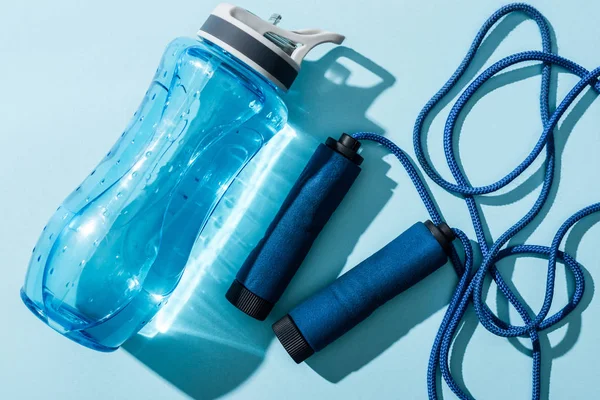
116	248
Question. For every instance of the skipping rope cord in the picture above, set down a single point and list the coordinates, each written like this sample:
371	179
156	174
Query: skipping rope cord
470	285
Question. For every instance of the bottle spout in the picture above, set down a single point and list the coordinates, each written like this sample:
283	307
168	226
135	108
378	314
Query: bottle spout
310	38
298	43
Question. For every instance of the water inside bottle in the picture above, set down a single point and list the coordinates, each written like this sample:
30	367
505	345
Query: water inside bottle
115	250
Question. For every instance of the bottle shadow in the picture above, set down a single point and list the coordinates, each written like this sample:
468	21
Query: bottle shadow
208	347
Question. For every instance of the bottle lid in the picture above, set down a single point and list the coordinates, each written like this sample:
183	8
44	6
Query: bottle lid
274	52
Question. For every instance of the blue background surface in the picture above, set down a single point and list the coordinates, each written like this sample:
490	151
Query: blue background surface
73	72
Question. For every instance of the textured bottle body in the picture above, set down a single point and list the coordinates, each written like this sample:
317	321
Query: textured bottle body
117	247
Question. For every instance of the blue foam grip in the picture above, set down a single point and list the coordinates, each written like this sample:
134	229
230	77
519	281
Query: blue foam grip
318	192
335	310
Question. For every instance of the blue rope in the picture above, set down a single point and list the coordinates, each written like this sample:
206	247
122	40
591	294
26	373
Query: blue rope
470	285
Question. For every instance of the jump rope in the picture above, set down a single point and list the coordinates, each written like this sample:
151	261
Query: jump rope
425	247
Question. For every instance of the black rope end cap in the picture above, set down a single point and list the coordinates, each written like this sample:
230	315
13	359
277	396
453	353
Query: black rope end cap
347	146
292	340
443	234
248	302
